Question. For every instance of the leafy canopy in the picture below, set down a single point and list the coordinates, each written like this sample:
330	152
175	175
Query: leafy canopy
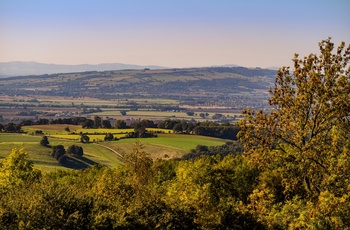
306	135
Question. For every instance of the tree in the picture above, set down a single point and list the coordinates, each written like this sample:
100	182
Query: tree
139	167
109	137
120	124
67	129
178	128
123	112
1	127
202	115
44	141
84	138
88	124
106	124
75	150
15	169
140	130
190	113
58	151
305	137
42	121
12	128
97	122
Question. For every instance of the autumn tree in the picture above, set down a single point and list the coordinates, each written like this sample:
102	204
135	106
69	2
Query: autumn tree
139	167
304	138
16	169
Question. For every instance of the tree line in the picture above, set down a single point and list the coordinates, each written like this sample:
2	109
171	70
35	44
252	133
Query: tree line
208	128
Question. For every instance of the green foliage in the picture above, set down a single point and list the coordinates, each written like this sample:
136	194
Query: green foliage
52	206
75	150
303	144
139	168
232	147
58	151
16	169
106	124
12	128
109	137
84	138
120	124
97	122
88	124
212	186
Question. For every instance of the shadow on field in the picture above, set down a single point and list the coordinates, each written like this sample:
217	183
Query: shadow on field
78	163
87	161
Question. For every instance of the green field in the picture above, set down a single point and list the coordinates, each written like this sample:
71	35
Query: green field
167	145
170	145
57	131
40	155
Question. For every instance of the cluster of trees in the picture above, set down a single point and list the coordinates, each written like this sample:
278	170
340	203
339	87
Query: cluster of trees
44	121
27	113
58	151
10	128
96	123
140	194
223	150
208	128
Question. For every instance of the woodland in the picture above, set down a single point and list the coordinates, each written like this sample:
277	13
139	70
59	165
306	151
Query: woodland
292	171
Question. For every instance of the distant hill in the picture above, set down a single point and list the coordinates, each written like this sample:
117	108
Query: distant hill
235	87
10	69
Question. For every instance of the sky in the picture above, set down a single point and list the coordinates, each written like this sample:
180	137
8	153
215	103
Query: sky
170	33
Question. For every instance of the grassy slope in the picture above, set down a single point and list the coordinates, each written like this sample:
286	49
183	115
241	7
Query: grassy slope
173	145
167	145
41	155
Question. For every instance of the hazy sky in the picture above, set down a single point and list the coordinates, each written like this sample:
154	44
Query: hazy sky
172	33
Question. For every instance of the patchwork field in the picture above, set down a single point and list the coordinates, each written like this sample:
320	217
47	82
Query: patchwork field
166	145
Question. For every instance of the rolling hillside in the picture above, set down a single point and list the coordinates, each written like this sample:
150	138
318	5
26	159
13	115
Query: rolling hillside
219	86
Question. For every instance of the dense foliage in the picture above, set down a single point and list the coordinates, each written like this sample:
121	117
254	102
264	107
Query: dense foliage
294	173
141	194
304	144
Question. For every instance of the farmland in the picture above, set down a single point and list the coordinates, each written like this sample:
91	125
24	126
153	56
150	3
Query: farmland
192	95
166	146
137	94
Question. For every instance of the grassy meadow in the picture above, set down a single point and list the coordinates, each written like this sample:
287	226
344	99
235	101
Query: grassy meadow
167	145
